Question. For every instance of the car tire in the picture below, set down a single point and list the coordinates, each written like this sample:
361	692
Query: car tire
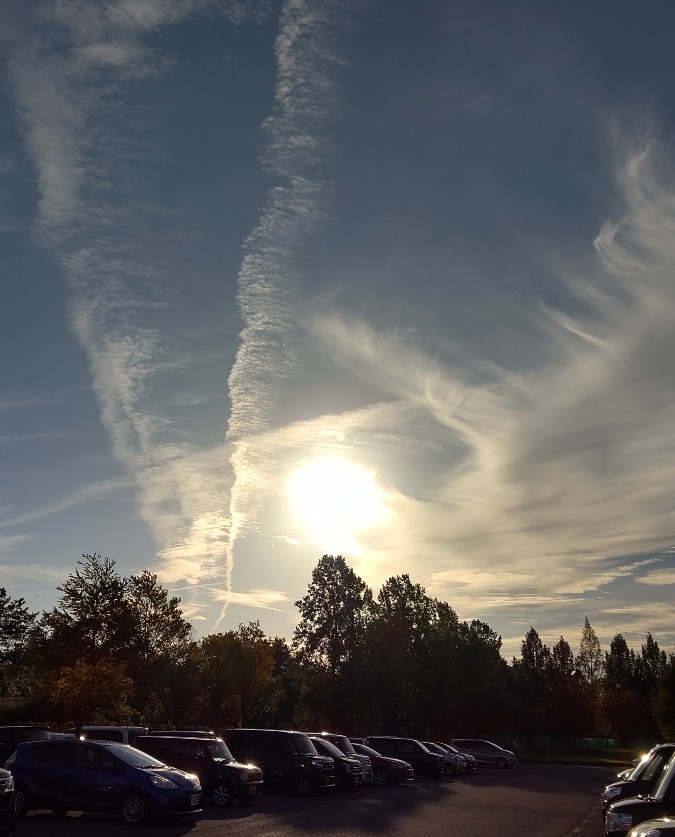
502	764
21	800
303	786
135	809
222	795
381	776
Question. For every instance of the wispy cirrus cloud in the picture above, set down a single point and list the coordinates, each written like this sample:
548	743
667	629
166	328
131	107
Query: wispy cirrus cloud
562	470
69	67
305	101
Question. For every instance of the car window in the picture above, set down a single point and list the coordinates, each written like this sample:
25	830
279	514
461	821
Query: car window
57	754
303	744
654	766
328	748
405	745
218	750
93	758
366	751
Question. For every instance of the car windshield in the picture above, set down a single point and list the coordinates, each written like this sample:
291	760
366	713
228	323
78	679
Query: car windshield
434	748
344	744
330	749
368	751
664	782
304	744
449	748
219	751
133	757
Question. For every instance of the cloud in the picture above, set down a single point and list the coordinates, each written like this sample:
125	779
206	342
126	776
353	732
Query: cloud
68	68
658	578
298	143
557	472
87	494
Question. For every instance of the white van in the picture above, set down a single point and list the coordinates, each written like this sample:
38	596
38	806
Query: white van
123	735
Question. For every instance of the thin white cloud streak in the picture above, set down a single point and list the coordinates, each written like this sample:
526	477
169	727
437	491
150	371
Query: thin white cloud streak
562	467
305	97
59	51
17	575
89	493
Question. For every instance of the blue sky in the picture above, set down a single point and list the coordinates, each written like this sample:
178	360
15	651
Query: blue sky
386	279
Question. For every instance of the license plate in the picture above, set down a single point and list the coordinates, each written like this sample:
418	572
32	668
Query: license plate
194	800
252	790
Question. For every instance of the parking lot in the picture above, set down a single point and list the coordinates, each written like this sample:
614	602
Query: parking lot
528	801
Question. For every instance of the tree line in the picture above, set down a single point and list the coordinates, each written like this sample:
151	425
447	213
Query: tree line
118	650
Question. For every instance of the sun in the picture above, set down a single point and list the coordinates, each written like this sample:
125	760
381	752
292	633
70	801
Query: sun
333	500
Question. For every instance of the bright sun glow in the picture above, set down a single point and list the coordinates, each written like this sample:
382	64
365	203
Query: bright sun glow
333	500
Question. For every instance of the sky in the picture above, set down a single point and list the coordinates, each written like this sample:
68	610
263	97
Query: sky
390	280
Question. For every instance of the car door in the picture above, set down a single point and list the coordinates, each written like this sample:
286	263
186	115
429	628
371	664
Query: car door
51	772
95	779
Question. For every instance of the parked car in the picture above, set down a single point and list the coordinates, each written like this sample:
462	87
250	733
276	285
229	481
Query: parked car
485	752
424	762
122	735
386	770
453	764
345	745
288	760
661	827
642	778
186	733
7	804
100	776
223	779
625	814
11	736
471	762
348	772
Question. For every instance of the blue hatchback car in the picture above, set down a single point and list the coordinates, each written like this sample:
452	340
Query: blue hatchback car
72	775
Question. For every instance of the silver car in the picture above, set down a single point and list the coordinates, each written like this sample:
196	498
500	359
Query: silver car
485	752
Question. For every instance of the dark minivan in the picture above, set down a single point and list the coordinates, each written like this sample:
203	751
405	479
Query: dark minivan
11	736
223	779
642	778
411	750
289	760
624	814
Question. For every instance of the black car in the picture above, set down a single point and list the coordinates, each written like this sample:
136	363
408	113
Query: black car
223	779
343	743
660	827
11	736
100	776
642	778
7	805
386	770
288	760
411	750
348	772
625	814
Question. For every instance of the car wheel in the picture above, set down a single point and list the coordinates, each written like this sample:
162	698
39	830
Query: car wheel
135	809
502	763
380	776
21	801
303	786
222	795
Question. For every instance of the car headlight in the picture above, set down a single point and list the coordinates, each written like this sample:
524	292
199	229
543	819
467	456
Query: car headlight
317	763
653	832
162	781
246	776
9	784
366	761
610	793
616	821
